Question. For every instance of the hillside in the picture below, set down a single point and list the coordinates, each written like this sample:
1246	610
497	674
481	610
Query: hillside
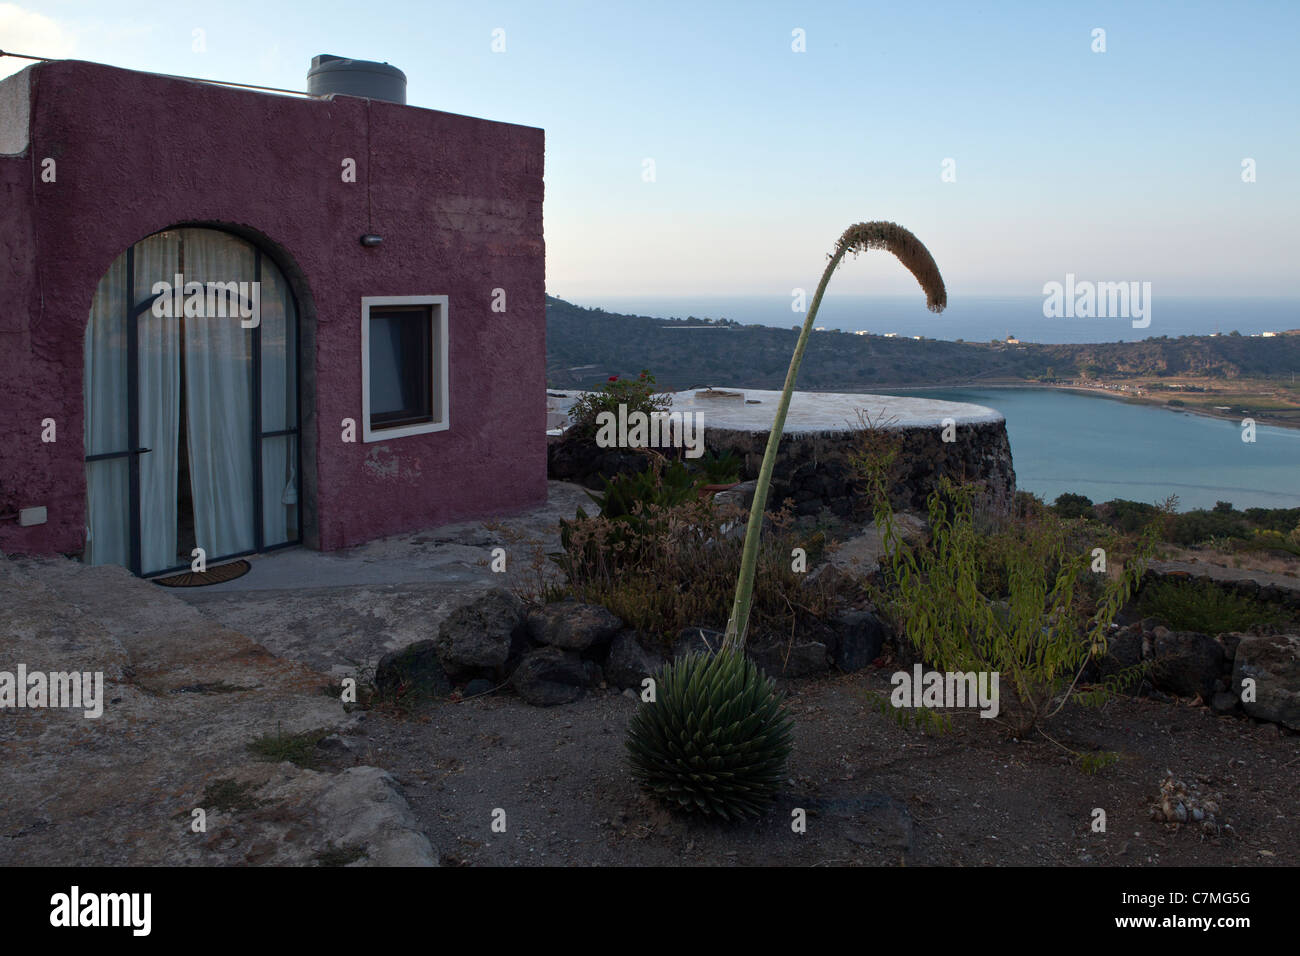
586	346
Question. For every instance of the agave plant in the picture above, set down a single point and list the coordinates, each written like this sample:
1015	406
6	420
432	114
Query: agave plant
715	739
858	238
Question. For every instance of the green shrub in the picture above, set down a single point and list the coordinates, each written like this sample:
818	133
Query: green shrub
1199	526
1013	603
1263	540
634	503
1073	506
718	469
1205	607
1283	520
1127	516
637	394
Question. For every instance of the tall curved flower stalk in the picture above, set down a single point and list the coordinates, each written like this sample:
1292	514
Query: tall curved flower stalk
857	238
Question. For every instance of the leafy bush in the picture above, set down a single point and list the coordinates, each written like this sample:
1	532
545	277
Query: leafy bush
1283	520
1196	527
1027	504
635	503
637	394
1073	506
1263	540
1203	606
1127	516
1222	527
1002	548
1012	603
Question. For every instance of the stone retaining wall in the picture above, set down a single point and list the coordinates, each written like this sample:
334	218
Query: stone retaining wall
815	470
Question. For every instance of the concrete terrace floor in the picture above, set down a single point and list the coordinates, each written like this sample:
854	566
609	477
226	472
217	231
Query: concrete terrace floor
339	612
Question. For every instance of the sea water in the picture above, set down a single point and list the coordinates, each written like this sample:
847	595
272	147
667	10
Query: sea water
1103	448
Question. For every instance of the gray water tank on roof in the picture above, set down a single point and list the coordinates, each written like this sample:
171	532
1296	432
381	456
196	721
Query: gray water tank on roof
337	74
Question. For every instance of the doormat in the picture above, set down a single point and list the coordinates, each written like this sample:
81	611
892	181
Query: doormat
197	579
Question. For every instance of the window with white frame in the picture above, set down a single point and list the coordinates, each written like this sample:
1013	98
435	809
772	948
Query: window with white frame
403	365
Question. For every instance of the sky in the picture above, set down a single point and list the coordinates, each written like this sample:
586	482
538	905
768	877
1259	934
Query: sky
692	148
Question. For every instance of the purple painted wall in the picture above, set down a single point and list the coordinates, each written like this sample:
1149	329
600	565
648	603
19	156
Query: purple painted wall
458	201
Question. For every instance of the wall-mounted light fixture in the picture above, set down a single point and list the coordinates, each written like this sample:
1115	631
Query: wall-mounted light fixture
26	516
370	239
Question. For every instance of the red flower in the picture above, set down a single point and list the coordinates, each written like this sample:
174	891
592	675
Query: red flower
613	378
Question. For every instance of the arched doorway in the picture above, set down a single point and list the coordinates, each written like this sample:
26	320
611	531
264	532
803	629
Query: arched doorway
192	404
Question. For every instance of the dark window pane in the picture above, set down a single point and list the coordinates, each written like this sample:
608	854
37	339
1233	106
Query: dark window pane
399	366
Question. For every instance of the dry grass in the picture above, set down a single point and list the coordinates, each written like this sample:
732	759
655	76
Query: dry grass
1270	562
677	566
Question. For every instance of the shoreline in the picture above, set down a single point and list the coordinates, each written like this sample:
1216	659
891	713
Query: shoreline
1261	418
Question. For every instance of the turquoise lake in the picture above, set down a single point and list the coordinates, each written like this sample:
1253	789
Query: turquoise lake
1103	448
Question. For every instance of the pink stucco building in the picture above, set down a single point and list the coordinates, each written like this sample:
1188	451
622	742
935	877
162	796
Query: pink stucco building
199	349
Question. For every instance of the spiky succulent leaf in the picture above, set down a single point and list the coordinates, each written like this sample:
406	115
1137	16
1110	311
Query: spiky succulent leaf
715	740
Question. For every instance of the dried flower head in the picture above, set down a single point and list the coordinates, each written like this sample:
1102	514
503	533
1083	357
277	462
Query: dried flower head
908	249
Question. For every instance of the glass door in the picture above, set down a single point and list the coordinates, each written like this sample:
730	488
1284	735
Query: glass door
192	410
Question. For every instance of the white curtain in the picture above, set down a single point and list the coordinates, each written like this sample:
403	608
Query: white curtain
218	407
279	410
104	396
218	376
158	258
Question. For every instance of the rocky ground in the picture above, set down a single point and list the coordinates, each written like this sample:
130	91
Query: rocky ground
193	678
183	698
875	793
